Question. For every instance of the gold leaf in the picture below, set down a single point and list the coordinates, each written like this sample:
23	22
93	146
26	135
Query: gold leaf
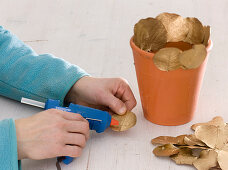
167	59
126	121
194	147
184	157
192	140
212	136
179	140
223	159
175	25
207	32
216	121
150	34
207	160
166	150
194	57
195	31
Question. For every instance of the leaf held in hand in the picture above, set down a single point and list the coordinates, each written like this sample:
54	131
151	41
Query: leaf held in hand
126	121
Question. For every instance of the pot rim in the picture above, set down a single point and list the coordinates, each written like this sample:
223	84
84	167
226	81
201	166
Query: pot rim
150	55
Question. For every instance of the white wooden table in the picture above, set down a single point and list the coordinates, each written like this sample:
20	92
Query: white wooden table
95	35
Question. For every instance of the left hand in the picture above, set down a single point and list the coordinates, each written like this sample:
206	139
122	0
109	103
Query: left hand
113	93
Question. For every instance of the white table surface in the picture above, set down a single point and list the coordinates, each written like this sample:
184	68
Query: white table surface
95	35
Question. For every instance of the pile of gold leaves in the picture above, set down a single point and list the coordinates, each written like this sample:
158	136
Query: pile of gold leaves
206	149
126	121
152	35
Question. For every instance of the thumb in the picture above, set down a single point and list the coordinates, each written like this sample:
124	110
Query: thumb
115	104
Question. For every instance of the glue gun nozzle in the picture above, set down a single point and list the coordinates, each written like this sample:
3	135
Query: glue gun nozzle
114	122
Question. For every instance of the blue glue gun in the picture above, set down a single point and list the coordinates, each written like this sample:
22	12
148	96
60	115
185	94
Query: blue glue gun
98	120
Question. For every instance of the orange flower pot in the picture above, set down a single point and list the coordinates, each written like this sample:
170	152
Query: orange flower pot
168	98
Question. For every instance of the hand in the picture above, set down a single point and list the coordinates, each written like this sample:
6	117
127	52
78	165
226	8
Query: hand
51	133
113	93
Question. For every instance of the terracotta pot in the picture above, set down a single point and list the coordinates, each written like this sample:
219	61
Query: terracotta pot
168	98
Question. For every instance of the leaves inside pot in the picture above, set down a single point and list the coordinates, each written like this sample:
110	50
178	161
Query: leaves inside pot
153	35
195	31
167	59
126	121
150	34
175	25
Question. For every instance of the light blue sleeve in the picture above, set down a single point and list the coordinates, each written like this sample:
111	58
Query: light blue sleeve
8	146
23	73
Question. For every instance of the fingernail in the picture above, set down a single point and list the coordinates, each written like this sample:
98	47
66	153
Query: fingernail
122	110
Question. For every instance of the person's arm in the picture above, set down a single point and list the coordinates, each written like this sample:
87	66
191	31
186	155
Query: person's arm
8	146
23	73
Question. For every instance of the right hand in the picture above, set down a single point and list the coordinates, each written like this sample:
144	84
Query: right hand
51	133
